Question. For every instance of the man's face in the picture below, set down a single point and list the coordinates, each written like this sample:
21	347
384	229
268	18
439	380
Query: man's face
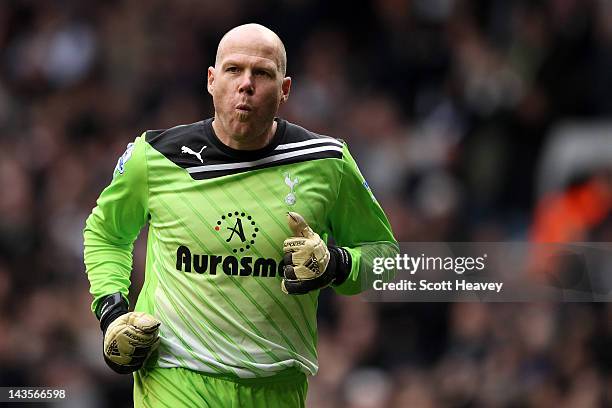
247	86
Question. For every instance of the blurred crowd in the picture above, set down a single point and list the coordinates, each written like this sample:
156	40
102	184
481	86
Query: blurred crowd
449	107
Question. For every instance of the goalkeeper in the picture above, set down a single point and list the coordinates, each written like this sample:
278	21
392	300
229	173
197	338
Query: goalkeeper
240	208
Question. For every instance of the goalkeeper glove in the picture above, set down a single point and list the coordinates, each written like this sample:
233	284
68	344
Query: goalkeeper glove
129	337
308	263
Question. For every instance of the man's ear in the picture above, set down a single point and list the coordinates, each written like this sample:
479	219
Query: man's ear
210	79
285	89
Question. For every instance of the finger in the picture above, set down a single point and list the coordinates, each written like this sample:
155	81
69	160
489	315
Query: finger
299	226
289	272
144	322
283	288
300	286
143	342
128	335
294	287
287	259
140	353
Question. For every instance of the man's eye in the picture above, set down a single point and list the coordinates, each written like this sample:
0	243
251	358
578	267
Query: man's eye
261	73
231	69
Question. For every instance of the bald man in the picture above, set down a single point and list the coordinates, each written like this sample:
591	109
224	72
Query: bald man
248	84
240	208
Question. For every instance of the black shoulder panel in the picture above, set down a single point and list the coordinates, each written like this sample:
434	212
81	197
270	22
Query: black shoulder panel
197	149
175	142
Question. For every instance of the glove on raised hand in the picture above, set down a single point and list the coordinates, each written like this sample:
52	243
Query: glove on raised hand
309	264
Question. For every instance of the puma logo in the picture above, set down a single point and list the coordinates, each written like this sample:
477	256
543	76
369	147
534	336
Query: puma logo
185	149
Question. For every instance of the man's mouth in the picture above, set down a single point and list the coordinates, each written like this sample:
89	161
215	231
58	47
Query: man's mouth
243	107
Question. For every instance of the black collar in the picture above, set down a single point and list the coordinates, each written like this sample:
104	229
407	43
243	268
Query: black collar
246	155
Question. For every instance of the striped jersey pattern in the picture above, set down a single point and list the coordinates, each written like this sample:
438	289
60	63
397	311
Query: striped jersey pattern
217	221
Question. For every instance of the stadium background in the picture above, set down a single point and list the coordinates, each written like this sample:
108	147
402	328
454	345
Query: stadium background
463	115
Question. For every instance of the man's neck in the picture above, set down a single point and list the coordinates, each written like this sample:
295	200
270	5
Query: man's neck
245	143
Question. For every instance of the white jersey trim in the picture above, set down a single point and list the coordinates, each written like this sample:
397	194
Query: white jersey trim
265	160
308	143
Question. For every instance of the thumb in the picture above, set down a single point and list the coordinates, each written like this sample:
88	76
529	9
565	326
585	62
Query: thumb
144	322
298	225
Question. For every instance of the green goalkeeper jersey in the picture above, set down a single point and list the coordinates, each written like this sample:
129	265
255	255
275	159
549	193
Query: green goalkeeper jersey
217	220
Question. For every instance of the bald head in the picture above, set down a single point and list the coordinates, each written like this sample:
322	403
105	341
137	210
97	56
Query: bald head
254	35
248	85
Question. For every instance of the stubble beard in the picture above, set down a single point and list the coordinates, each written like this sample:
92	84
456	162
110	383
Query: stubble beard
245	126
243	117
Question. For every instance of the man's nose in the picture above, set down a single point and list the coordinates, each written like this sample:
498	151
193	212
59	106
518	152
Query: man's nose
246	84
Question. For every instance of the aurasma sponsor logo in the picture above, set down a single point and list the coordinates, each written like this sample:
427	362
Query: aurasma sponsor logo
230	265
